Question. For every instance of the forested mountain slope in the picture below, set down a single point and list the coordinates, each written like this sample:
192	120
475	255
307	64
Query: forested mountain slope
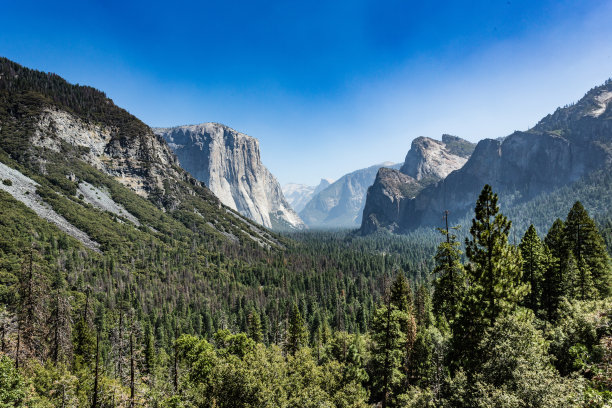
68	138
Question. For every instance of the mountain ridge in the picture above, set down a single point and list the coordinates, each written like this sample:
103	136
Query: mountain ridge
427	162
340	205
561	149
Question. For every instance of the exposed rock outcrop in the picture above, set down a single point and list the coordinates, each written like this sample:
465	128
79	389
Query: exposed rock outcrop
142	163
229	163
74	137
427	162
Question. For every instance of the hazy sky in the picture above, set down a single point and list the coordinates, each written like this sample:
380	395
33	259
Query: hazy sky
326	86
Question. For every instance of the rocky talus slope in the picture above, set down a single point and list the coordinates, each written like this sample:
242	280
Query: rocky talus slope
229	163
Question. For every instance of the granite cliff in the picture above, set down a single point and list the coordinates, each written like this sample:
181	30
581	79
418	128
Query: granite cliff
561	149
229	163
427	162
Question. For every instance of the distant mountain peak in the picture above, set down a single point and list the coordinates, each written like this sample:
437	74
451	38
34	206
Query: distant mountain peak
429	158
340	205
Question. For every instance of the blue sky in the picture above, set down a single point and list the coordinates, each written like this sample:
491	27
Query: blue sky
326	86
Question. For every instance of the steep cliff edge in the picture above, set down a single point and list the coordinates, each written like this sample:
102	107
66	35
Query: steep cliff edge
229	163
427	162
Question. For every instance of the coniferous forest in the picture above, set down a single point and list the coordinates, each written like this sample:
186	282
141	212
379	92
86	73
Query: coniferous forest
186	305
333	320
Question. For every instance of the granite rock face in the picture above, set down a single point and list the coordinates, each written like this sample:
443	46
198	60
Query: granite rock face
563	147
229	163
341	204
427	162
432	159
143	162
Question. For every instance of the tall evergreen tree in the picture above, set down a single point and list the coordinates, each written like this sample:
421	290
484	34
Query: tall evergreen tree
494	276
588	247
554	285
534	266
60	330
149	352
400	298
401	293
297	335
254	323
388	350
422	308
449	287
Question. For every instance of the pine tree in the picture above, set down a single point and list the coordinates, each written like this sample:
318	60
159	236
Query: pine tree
494	277
449	287
32	307
534	265
297	335
585	289
84	340
494	268
254	323
60	330
149	351
423	361
388	351
401	296
422	306
554	285
585	242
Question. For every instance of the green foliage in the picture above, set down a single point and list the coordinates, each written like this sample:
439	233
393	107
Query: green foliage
255	330
226	301
296	333
12	384
515	371
494	276
388	350
587	246
556	284
84	344
450	283
534	266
